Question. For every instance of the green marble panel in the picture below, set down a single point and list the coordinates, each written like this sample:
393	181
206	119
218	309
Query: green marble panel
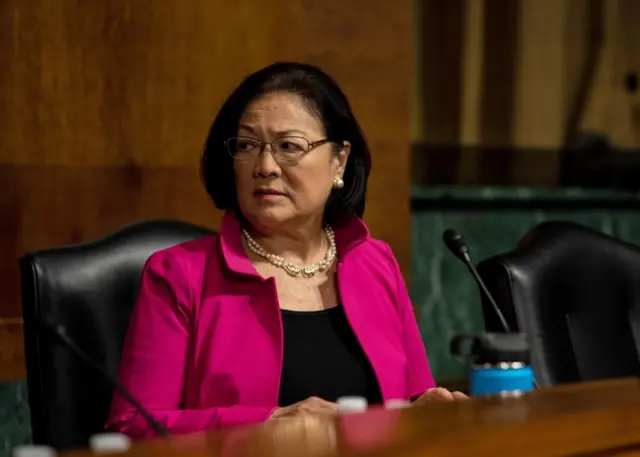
15	426
488	193
443	291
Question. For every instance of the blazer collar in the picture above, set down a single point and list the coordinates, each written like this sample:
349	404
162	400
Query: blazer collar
348	236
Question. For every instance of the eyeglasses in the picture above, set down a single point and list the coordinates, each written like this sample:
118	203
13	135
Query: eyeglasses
287	148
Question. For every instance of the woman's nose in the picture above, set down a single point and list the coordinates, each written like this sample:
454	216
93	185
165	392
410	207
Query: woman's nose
267	164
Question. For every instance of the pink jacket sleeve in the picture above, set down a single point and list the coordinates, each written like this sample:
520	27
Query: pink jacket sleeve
154	359
420	378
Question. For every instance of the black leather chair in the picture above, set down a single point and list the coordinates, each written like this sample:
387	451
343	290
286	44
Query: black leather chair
576	293
90	289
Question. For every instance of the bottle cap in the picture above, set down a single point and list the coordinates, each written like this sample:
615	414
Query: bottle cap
396	403
352	404
109	442
33	450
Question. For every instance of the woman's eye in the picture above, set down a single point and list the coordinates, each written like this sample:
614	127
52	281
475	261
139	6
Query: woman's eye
289	146
245	146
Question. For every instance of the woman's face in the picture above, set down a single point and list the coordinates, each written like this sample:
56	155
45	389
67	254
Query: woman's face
282	182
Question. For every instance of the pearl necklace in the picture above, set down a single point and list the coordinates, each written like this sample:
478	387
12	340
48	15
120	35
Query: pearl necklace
292	269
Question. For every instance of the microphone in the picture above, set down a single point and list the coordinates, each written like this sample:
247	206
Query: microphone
456	244
59	331
458	247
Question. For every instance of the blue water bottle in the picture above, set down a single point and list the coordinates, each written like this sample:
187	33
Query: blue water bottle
499	363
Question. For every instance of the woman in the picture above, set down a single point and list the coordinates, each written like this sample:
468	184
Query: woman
293	304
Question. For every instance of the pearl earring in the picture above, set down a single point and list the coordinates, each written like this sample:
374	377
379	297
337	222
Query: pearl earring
338	183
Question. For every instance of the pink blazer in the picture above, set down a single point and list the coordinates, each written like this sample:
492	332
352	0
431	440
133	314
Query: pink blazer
204	345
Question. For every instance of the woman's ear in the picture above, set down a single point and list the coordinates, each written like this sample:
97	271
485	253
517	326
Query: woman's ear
343	157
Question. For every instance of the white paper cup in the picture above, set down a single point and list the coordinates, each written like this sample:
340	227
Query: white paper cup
33	450
352	404
106	443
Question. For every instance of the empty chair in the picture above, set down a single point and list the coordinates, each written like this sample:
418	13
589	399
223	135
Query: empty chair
90	289
576	293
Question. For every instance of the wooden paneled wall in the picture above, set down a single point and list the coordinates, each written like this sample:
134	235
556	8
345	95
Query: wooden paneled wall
613	104
104	108
526	74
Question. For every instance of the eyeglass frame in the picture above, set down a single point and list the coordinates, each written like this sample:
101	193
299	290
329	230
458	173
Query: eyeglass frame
312	144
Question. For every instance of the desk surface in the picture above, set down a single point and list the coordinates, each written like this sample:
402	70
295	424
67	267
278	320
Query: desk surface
590	419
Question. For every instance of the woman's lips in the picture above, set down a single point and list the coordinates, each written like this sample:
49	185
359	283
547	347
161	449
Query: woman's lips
269	194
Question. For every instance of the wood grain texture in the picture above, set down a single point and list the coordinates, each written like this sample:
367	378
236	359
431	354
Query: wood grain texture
610	106
12	349
633	451
105	106
534	74
600	418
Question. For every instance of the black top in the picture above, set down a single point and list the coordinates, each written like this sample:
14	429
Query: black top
323	358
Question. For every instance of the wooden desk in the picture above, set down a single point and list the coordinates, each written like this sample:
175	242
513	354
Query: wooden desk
591	419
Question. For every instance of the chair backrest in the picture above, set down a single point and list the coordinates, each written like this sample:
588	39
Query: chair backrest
576	293
90	289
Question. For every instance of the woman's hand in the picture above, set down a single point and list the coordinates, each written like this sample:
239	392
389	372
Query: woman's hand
312	405
439	394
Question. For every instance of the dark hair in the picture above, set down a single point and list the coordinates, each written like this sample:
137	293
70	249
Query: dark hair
321	94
